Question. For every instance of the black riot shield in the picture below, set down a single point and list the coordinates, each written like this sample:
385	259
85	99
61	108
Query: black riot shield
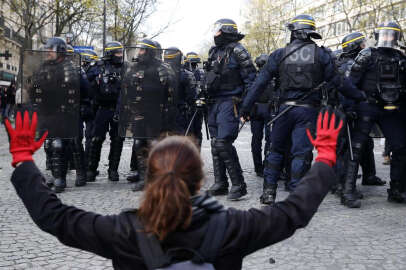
147	94
51	87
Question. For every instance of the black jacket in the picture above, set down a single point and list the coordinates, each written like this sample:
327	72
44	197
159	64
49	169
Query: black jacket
113	236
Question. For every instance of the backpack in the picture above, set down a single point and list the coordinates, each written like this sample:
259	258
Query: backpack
155	258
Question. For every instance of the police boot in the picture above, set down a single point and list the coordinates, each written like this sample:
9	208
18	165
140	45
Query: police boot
133	174
142	153
116	146
397	191
229	155
78	156
47	149
94	158
59	165
269	193
350	198
220	186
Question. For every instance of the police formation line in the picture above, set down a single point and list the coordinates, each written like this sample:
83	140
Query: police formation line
144	92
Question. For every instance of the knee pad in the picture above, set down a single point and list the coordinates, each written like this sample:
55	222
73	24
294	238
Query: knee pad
140	143
57	145
357	150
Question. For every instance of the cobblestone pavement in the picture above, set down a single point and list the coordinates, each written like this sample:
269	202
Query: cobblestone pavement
373	237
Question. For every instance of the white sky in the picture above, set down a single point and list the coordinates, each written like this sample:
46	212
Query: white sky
192	21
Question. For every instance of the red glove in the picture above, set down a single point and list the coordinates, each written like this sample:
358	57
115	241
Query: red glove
22	138
327	135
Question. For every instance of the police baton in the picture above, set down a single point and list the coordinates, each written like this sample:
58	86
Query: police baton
242	125
350	142
190	123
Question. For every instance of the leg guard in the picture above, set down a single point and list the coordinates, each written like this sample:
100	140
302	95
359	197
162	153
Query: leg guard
116	146
220	186
367	163
78	156
397	191
229	155
133	175
47	149
94	158
141	151
350	198
59	164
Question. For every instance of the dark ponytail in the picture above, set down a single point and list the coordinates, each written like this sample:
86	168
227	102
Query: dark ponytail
174	174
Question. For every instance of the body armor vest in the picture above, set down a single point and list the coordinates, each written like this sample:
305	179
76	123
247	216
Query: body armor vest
226	78
384	82
300	69
109	81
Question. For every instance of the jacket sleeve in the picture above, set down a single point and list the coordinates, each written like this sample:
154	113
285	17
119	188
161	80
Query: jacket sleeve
72	226
247	68
265	76
251	230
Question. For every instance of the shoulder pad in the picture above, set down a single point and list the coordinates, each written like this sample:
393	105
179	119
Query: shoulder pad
243	56
190	76
362	59
367	52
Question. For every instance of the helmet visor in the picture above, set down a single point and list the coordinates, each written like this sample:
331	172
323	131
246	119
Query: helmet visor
388	38
216	28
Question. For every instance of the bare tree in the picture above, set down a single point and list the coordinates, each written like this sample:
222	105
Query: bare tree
30	17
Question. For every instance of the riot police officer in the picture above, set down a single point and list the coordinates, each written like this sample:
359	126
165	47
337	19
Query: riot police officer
89	58
186	89
300	68
149	93
59	59
108	81
191	63
352	44
260	116
229	72
380	72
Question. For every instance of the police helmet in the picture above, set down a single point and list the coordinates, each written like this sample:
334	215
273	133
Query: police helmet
352	42
388	35
261	60
56	44
173	56
303	27
227	26
193	57
89	56
111	49
146	50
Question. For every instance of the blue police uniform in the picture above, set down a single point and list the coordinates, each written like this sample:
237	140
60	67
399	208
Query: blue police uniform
196	128
260	115
231	72
108	80
186	95
298	68
344	63
380	73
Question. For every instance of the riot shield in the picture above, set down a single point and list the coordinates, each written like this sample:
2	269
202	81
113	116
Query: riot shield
51	87
147	94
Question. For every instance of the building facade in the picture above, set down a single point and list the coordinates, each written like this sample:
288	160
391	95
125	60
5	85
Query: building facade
334	18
